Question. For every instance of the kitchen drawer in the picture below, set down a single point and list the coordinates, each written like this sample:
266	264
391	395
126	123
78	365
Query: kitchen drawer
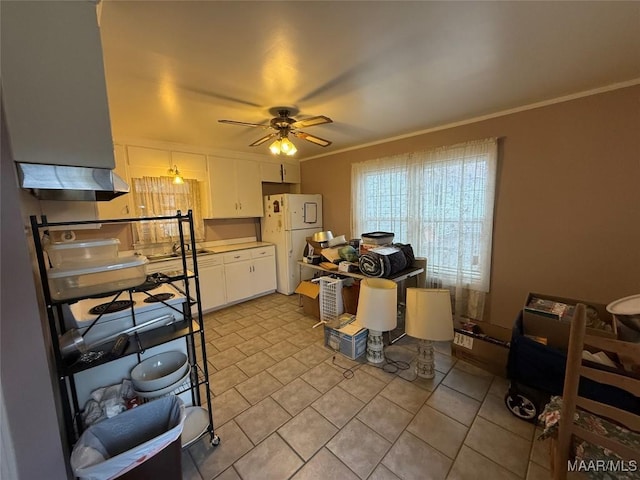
262	252
237	256
209	261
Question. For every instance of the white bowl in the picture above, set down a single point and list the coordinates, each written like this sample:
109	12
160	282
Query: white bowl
627	312
159	371
195	424
180	386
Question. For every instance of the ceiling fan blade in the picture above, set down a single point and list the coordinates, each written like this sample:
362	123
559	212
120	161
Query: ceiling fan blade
310	122
310	138
243	124
260	141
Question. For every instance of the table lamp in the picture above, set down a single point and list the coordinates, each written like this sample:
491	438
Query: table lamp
377	311
428	317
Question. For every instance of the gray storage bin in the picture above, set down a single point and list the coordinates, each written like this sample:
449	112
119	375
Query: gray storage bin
134	444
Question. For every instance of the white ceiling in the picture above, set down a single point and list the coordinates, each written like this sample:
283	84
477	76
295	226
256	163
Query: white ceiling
379	69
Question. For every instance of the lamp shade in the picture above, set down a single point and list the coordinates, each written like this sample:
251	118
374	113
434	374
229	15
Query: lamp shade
428	314
378	304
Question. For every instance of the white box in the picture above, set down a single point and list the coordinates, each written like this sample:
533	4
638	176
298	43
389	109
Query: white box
351	340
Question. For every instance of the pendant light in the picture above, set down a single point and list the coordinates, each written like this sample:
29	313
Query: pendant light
175	173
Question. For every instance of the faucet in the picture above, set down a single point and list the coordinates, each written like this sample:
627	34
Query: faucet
177	247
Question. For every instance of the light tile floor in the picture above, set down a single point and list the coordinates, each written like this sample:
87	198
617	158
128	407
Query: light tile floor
283	408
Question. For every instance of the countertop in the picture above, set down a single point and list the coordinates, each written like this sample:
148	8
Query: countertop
204	250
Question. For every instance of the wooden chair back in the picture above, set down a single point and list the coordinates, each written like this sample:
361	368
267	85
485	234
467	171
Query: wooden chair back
570	397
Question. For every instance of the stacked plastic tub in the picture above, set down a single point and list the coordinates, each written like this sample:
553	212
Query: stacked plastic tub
85	268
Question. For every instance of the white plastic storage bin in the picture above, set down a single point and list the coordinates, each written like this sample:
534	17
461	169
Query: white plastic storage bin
331	305
352	346
377	238
84	279
62	253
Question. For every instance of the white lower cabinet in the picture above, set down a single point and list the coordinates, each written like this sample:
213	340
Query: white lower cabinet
212	285
249	273
238	280
231	277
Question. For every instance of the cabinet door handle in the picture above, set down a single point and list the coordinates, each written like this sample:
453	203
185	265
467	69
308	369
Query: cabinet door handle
240	205
236	205
237	256
126	209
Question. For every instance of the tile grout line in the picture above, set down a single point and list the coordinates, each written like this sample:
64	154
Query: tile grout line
488	392
392	444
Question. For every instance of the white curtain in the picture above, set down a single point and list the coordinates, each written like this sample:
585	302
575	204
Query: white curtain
158	197
441	202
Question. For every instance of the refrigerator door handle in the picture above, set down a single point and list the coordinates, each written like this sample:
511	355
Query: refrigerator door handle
310	214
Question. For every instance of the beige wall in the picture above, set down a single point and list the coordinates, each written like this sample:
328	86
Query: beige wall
213	230
567	214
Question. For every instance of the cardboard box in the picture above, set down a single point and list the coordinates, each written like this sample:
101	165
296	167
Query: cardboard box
310	294
550	320
488	350
350	297
350	340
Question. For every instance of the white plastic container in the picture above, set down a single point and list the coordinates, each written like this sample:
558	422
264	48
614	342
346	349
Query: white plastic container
331	305
63	253
377	238
85	279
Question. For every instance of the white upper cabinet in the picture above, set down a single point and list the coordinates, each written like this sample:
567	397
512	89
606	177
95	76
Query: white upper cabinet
190	165
280	172
148	162
53	84
235	188
291	173
271	172
156	162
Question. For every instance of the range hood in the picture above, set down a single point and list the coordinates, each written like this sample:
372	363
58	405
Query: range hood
59	182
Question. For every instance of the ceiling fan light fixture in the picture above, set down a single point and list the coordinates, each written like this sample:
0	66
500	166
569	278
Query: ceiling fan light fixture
287	147
282	126
275	147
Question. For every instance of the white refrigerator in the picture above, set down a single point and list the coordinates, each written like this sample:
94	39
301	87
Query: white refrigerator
288	220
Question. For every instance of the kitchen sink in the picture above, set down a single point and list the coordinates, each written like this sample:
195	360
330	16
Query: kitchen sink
162	256
166	256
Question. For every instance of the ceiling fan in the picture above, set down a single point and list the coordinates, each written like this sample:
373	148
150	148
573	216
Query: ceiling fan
283	125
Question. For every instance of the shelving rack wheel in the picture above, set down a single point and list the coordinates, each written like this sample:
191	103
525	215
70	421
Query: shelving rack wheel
65	371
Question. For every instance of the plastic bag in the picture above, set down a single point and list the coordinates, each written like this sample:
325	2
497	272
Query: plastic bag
107	402
114	446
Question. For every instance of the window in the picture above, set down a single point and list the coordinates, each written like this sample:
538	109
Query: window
440	201
159	196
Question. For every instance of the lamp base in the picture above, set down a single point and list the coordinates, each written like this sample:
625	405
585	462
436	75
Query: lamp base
425	365
375	353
